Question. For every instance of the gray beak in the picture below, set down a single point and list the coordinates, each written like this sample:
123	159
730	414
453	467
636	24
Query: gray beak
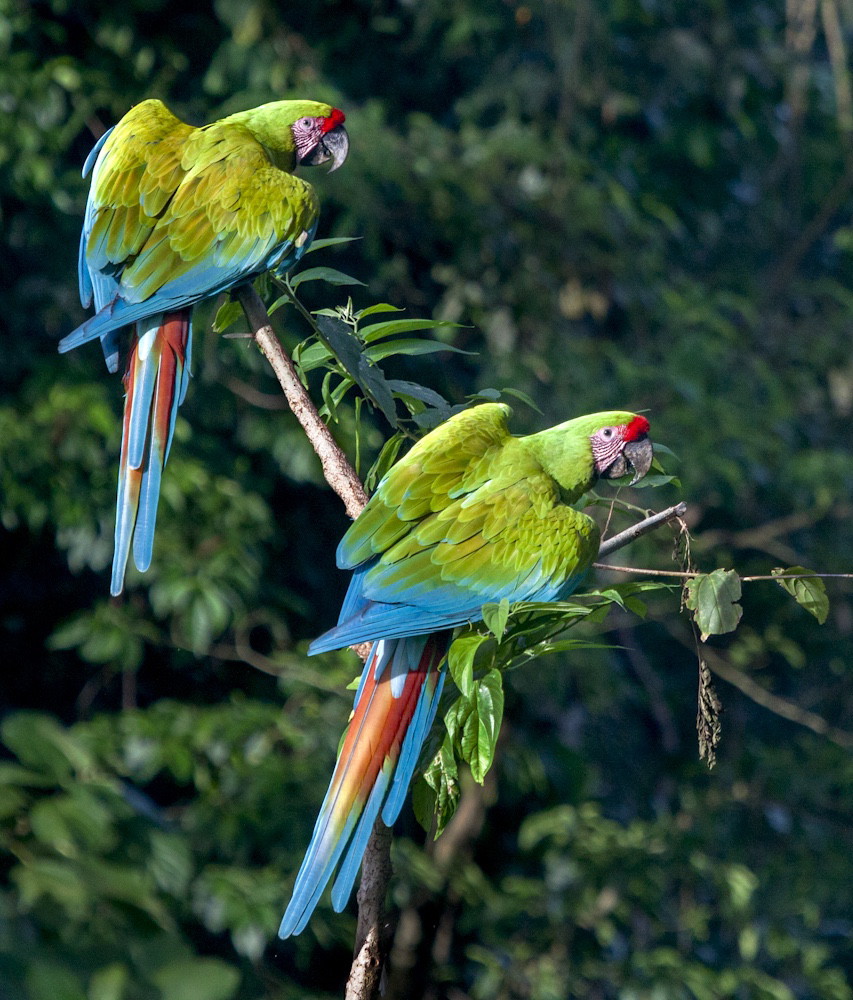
637	456
333	146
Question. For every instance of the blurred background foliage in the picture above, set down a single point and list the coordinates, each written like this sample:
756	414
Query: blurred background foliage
638	203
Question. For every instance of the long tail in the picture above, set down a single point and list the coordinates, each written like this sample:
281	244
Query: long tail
156	380
394	708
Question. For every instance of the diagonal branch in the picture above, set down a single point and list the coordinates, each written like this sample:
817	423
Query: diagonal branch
782	707
641	528
338	472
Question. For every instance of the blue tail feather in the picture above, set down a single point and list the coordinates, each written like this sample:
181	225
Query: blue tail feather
125	520
345	879
146	518
411	751
326	851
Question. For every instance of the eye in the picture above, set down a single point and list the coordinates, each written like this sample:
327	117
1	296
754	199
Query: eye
305	122
607	432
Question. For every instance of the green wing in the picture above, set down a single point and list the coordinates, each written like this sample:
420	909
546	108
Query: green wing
452	459
138	171
190	211
467	517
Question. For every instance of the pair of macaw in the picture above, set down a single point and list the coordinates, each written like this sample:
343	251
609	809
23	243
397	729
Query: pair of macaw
471	515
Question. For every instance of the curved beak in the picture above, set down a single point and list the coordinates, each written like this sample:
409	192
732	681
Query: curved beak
636	456
639	455
333	146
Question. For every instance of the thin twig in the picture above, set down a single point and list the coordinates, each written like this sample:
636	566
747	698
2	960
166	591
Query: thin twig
772	702
641	528
692	574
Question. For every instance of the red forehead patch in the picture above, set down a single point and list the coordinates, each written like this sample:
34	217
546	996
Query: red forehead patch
335	118
637	428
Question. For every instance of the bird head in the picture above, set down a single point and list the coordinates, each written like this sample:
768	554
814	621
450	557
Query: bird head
297	132
320	138
599	445
620	447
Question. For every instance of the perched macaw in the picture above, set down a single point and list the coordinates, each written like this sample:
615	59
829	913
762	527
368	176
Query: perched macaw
177	214
471	515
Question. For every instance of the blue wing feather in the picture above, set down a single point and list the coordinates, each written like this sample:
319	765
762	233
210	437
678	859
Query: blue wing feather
445	606
93	153
201	282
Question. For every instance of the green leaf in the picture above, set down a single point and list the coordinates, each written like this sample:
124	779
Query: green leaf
808	591
282	300
412	390
384	461
518	394
14	774
170	863
372	381
311	357
474	723
563	645
434	416
713	598
330	241
377	331
229	312
327	274
197	979
661	449
436	794
408	346
342	341
652	480
43	745
495	616
460	661
348	351
380	307
330	398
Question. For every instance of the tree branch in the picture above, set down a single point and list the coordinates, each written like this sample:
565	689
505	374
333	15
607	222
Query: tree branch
370	941
641	528
767	699
339	474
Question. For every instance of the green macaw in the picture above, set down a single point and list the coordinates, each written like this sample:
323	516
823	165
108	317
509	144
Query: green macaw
471	515
177	214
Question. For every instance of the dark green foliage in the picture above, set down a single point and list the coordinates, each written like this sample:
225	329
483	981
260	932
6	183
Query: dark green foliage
642	205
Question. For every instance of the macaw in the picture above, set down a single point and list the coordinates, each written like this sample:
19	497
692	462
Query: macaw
471	515
177	214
